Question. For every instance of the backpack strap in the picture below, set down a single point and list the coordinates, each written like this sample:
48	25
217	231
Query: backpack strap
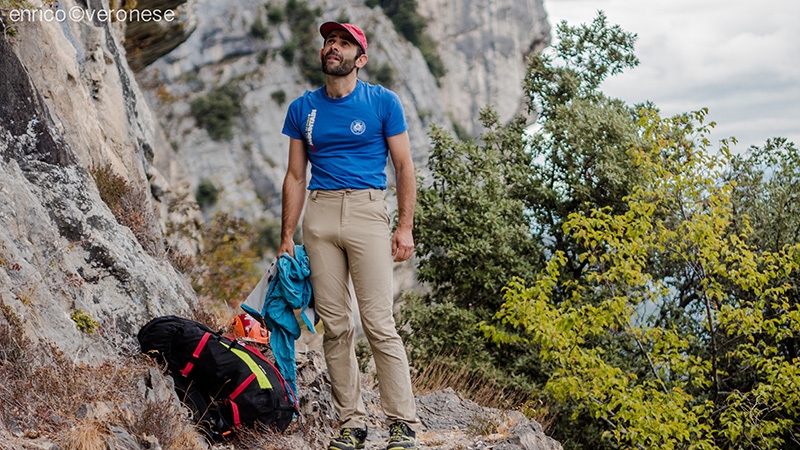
290	395
200	345
234	394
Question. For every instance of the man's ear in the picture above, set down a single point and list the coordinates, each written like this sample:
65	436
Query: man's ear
362	61
320	55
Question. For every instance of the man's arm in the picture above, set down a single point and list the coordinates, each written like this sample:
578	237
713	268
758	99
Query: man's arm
293	197
400	151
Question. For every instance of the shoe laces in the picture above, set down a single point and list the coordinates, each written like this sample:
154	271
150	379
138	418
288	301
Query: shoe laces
398	431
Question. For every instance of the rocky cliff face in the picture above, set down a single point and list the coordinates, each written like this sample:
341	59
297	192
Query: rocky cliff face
68	103
484	45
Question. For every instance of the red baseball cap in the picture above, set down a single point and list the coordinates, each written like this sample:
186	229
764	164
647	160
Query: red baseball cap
353	30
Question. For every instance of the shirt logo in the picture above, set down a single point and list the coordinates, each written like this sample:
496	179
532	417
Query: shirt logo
358	127
310	129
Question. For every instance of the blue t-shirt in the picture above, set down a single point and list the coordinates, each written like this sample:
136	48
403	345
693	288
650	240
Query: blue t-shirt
346	137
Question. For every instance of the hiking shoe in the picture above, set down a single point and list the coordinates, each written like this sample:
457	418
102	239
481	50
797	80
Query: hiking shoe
401	437
349	439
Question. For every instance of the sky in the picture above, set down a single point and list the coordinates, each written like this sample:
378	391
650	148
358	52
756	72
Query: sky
740	59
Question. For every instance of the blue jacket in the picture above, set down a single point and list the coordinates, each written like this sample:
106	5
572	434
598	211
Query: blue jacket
289	290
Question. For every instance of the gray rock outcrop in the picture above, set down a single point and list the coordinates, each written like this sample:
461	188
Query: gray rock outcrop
484	45
69	102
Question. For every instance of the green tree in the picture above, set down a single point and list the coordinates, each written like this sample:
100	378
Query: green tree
723	381
645	283
494	207
218	111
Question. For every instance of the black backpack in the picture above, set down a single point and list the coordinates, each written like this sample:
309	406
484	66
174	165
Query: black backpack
224	382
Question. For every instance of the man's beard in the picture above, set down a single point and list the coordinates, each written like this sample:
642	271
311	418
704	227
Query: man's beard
344	68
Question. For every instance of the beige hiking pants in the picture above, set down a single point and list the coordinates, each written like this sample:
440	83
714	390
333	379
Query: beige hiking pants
346	235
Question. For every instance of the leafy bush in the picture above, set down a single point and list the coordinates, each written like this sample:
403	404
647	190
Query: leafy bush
217	111
207	193
385	75
613	261
279	97
288	51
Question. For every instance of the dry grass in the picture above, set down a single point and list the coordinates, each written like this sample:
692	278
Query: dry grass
440	374
88	435
43	393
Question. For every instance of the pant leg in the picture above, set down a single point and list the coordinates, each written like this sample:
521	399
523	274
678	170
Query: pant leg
367	239
332	301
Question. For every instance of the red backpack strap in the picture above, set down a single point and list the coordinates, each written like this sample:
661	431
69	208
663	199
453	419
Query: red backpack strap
242	386
235	412
200	345
234	394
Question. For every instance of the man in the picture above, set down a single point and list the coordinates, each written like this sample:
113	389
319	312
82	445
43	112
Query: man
346	129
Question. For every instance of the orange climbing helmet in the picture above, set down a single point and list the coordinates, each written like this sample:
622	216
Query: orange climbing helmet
246	328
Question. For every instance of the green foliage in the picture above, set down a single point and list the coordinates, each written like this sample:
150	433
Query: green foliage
768	191
84	321
472	225
449	351
495	207
716	376
226	268
430	53
384	75
288	51
207	193
655	297
279	97
217	111
444	327
460	130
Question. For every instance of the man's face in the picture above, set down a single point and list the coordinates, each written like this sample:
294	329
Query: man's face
339	54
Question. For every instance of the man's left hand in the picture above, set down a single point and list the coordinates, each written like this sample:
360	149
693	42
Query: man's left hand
402	244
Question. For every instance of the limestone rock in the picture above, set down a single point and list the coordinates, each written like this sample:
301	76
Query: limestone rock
67	267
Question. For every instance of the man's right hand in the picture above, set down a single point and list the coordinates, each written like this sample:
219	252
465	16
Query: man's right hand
286	247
